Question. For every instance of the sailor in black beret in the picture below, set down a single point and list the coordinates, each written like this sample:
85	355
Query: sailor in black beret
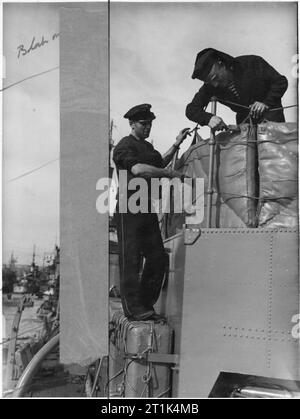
138	232
246	84
206	59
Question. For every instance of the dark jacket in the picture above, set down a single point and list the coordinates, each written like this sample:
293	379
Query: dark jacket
130	151
255	80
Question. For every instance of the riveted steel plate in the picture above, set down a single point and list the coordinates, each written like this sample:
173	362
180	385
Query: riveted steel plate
241	292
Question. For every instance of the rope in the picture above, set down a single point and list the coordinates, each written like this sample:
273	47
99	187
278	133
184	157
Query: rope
283	107
233	103
232	144
248	107
190	151
112	378
163	393
263	199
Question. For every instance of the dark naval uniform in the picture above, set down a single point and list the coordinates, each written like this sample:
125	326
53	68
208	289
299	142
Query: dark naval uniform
254	80
139	237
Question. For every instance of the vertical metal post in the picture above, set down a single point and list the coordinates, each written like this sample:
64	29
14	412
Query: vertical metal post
211	143
167	218
97	375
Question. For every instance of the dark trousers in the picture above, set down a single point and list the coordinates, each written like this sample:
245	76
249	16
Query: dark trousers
140	241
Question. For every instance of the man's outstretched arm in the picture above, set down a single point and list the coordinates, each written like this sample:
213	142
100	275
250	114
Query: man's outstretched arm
195	111
148	171
167	157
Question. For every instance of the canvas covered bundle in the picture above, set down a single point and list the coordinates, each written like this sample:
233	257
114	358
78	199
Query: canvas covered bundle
234	181
236	173
277	145
255	177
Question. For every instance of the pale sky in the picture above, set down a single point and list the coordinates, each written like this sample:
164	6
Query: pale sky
152	51
30	133
154	46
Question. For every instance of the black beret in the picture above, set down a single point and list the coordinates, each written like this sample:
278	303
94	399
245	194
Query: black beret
206	59
204	62
140	112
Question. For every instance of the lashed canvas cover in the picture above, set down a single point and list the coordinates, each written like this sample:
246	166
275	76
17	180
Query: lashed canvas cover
234	200
278	170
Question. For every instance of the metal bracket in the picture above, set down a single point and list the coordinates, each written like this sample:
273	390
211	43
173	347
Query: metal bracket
191	235
163	358
155	357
